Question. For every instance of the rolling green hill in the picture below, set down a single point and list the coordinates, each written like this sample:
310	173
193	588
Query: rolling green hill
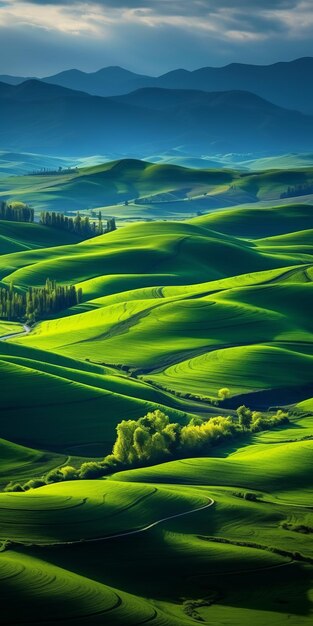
258	221
16	237
113	183
134	190
171	312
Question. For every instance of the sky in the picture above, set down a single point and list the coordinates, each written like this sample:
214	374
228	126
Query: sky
40	38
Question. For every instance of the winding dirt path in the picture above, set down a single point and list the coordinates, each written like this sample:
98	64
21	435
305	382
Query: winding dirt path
127	533
26	330
157	523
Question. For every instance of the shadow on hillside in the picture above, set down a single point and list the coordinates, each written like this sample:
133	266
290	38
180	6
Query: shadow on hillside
271	398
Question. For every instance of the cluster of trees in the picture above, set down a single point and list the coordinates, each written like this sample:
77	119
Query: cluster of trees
44	171
154	439
298	190
12	304
82	226
16	212
35	302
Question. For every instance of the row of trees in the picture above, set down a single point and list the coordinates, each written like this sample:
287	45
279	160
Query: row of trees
16	212
44	171
154	439
36	302
298	190
82	226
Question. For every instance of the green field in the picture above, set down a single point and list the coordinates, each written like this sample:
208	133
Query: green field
172	311
133	190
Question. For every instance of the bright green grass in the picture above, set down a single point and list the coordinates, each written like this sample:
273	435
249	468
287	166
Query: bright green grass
298	428
306	405
302	239
88	510
45	411
187	252
257	221
156	330
115	383
192	310
243	369
278	469
95	287
162	327
7	328
182	329
177	560
195	563
19	236
21	463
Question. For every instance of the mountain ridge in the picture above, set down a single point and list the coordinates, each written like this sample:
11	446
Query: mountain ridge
52	119
285	83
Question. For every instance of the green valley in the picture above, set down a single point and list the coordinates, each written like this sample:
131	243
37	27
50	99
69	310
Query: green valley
184	312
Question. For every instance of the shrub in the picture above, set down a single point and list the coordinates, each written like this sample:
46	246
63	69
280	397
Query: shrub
54	476
154	439
69	472
92	469
244	417
223	393
13	487
34	483
252	497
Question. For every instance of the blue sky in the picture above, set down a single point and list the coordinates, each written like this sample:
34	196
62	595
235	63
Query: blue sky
150	36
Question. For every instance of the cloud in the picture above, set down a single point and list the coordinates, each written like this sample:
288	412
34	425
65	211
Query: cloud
224	17
151	35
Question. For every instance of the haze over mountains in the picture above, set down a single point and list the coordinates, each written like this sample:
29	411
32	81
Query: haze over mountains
287	84
209	111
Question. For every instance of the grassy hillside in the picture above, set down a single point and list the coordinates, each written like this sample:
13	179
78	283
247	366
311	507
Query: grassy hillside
23	236
203	561
135	285
48	392
114	182
152	190
258	221
171	312
20	463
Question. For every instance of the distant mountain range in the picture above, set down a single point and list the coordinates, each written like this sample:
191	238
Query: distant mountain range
41	117
287	84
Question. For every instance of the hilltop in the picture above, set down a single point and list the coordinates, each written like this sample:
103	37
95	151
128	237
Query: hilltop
132	190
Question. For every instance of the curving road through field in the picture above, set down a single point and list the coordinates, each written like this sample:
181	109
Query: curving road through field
157	523
128	533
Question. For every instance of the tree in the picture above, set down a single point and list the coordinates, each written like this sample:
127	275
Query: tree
123	449
100	225
223	393
33	483
16	212
153	438
81	226
244	417
37	301
69	472
92	469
